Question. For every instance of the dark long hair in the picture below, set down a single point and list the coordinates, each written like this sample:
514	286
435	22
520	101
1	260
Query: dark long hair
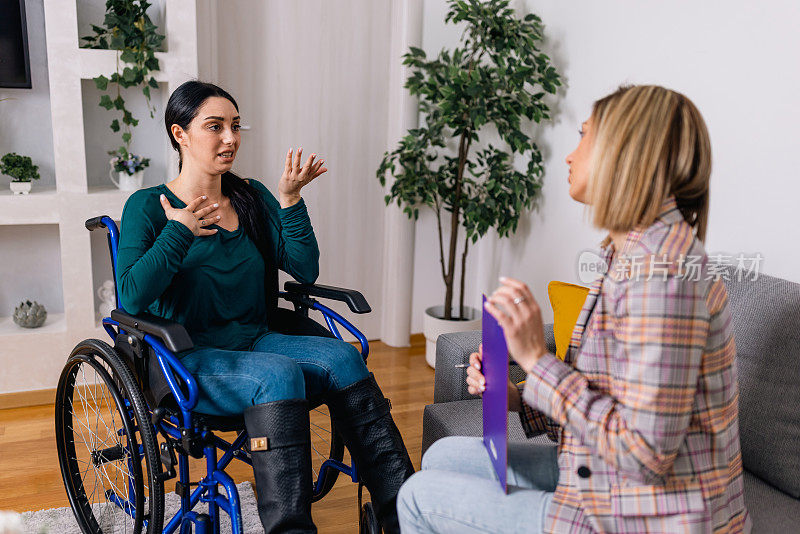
183	106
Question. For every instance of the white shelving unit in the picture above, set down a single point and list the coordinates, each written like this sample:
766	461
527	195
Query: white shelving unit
32	359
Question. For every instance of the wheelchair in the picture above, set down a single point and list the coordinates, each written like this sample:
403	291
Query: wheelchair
125	423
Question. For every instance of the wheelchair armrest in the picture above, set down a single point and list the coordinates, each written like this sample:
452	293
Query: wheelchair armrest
174	335
354	299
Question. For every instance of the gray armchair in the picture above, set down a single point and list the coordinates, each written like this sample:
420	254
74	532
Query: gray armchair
455	412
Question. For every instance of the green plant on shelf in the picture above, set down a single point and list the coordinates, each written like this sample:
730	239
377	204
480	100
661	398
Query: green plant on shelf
19	168
127	29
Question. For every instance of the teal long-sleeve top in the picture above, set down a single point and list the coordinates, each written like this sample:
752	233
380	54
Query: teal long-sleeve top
213	285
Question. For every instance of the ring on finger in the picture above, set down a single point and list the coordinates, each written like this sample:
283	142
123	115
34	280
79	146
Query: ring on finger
518	300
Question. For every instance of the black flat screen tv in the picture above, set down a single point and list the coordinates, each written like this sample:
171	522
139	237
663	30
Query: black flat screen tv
15	65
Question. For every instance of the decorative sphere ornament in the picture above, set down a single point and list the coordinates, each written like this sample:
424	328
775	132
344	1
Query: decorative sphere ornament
30	314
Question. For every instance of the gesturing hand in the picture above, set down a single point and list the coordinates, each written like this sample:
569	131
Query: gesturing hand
295	177
191	217
521	320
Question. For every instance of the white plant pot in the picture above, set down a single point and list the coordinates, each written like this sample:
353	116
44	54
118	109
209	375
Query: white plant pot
127	182
433	326
20	188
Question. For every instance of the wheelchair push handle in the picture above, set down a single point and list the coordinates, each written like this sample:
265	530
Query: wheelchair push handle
96	223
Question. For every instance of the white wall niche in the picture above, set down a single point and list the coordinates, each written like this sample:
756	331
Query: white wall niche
34	273
148	138
93	12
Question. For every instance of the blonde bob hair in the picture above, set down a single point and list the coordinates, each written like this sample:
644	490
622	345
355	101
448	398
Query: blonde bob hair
649	143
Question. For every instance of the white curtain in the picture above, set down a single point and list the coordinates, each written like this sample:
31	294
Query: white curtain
313	73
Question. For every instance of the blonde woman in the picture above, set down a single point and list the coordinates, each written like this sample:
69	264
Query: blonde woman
644	407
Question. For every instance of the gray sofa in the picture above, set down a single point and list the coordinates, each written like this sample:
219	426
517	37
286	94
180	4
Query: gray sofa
766	324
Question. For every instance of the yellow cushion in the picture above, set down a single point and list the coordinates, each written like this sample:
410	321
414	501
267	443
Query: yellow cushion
567	301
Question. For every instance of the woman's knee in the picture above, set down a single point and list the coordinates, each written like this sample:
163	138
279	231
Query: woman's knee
280	378
345	363
450	451
408	511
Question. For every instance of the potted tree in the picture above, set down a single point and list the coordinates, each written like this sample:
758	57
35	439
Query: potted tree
21	170
488	86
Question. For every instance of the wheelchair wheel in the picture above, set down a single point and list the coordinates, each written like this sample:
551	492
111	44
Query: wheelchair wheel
106	444
325	444
368	521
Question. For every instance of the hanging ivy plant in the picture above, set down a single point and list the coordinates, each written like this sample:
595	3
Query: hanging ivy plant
127	29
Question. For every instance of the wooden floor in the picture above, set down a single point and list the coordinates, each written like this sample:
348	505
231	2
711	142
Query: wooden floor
30	478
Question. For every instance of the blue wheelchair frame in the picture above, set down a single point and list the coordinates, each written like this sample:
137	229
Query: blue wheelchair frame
207	489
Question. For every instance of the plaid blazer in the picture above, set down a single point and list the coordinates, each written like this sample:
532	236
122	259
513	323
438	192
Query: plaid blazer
645	406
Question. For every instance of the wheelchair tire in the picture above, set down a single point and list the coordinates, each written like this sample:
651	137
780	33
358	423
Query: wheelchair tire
368	520
106	444
326	444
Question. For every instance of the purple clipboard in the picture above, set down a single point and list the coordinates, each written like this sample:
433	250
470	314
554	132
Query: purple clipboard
495	397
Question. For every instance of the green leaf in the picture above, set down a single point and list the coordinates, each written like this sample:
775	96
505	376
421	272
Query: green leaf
119	103
101	82
105	102
128	56
152	83
126	137
117	42
146	91
152	64
115	125
128	74
417	52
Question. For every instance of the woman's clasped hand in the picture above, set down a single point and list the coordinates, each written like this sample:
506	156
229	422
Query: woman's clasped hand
193	216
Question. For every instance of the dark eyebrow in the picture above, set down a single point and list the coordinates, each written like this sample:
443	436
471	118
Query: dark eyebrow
236	118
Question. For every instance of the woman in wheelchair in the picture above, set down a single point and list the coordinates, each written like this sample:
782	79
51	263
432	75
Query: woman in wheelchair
203	250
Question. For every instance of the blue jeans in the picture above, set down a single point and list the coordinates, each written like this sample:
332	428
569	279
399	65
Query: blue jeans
277	367
457	489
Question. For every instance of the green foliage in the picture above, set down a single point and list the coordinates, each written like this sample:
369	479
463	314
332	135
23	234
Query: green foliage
128	29
495	79
19	168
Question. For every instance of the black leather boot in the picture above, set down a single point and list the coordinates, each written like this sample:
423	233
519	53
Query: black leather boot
361	415
280	447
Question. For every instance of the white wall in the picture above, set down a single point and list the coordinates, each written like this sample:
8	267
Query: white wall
26	125
738	62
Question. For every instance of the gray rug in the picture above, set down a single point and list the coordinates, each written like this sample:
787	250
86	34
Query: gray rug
62	521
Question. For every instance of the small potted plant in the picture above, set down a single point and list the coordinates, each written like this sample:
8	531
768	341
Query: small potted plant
21	170
128	167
